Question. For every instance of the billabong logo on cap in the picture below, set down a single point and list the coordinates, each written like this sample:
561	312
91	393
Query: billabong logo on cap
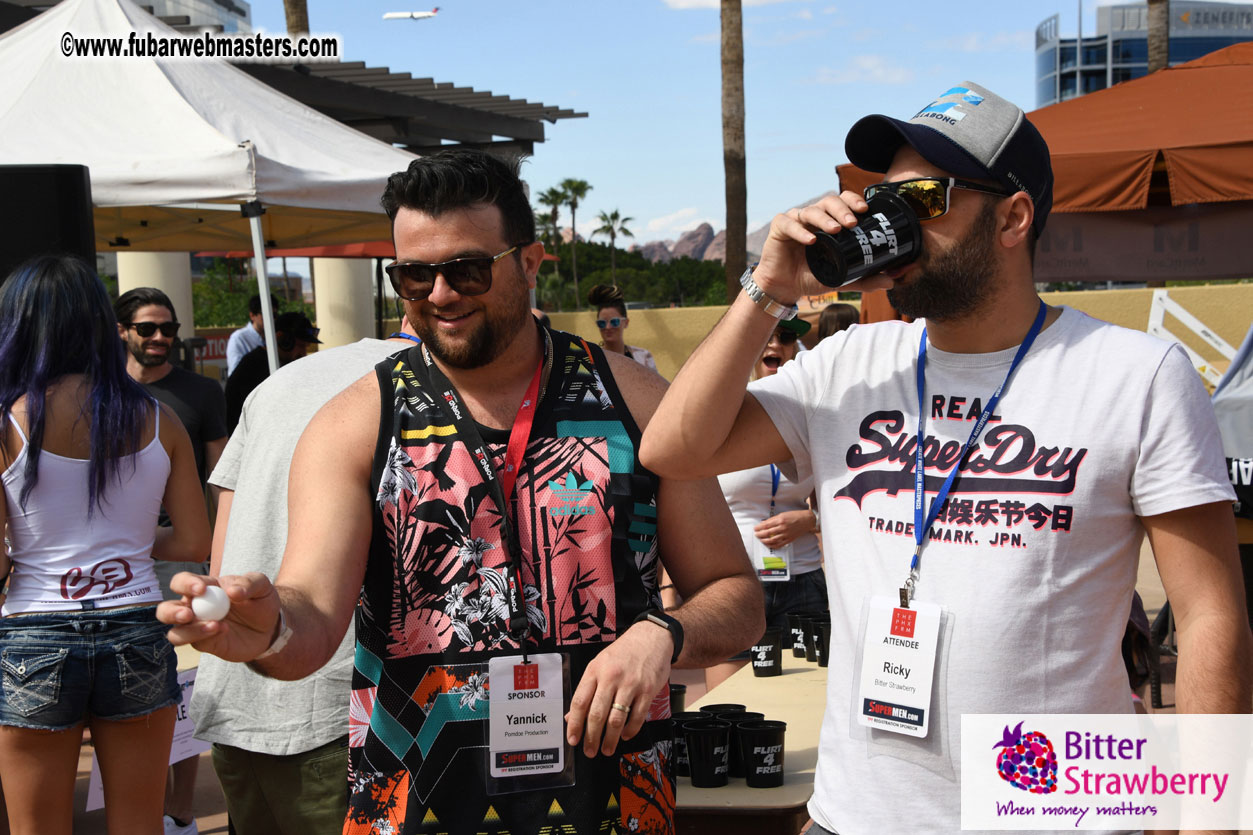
946	106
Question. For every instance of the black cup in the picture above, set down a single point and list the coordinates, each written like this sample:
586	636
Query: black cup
766	656
888	235
714	710
823	647
735	764
678	697
708	743
681	767
809	627
797	633
761	747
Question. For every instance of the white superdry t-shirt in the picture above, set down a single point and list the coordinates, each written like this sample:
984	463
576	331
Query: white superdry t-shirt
1034	556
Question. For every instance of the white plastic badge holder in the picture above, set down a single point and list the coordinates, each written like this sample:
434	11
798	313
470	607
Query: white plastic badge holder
772	564
527	746
898	666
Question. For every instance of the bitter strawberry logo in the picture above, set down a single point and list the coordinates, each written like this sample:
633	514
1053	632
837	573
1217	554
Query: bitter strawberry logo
1027	761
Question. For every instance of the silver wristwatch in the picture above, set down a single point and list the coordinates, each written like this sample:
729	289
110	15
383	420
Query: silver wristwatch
772	308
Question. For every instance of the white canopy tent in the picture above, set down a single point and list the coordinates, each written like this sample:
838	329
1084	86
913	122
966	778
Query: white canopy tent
185	154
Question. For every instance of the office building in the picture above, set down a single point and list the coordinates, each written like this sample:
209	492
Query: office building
1119	50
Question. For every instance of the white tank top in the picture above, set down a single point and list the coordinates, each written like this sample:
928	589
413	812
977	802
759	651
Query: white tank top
63	561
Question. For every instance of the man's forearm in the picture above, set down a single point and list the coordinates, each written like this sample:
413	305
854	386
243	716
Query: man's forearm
699	410
314	639
1214	674
720	620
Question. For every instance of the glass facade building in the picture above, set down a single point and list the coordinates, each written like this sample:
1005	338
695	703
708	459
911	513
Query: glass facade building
1067	67
229	16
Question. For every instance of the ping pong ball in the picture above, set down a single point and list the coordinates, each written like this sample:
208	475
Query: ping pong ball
212	604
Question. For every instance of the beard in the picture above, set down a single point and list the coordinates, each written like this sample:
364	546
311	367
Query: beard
954	282
137	350
502	320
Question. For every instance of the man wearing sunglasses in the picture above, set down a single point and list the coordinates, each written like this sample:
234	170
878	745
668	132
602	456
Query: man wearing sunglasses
1006	589
481	496
149	329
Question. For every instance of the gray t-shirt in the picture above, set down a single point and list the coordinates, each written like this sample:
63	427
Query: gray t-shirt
231	704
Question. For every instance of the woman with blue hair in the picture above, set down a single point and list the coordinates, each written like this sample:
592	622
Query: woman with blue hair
87	460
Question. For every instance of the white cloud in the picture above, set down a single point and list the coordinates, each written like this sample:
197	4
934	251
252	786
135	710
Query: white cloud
714	4
831	10
676	223
708	37
804	14
865	69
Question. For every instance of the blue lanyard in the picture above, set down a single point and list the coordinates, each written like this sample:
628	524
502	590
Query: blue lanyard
921	528
774	487
399	335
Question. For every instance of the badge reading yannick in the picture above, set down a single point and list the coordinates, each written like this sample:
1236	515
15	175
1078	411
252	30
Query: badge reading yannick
526	728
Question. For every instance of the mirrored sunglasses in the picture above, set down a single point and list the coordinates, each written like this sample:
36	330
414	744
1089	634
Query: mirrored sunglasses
784	336
929	196
414	280
146	329
615	322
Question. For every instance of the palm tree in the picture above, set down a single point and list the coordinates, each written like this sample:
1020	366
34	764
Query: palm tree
297	12
575	190
1159	34
733	144
613	225
553	199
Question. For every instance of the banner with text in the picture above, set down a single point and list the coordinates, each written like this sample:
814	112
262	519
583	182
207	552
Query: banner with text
1099	771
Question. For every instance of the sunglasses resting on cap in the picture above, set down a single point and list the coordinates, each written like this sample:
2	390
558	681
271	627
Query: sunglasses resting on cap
414	280
146	329
929	196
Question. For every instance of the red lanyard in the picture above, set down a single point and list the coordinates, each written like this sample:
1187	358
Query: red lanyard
520	434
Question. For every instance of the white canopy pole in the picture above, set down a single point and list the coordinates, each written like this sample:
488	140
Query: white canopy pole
253	211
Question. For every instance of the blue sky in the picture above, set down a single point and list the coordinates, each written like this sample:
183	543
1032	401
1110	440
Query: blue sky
648	74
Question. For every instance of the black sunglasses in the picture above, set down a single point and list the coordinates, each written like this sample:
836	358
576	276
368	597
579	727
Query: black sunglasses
929	196
146	329
784	336
615	322
414	280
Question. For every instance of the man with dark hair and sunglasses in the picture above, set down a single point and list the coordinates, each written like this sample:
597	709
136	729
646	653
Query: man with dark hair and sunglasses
1005	589
480	495
149	327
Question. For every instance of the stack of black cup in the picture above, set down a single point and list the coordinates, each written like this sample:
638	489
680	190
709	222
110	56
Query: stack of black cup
722	741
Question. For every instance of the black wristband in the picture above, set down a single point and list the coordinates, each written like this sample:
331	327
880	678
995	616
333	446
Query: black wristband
669	623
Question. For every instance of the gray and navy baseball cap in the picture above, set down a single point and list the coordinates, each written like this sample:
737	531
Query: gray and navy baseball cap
970	132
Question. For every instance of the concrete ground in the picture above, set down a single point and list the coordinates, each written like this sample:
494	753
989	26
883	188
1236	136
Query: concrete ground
211	806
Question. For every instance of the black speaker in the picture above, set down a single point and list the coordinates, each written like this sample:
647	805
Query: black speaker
45	209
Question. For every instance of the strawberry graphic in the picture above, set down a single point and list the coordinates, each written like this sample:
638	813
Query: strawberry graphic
1027	761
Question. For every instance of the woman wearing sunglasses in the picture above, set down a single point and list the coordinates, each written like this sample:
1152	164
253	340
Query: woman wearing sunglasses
779	529
87	461
611	319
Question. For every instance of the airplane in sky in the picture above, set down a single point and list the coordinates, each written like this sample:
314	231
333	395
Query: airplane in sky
411	15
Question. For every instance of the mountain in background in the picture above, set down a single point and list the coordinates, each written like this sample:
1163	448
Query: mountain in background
702	243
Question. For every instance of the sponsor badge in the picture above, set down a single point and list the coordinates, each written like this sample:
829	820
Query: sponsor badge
897	666
526	726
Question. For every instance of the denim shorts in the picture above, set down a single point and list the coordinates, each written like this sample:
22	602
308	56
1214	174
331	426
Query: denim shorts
59	668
